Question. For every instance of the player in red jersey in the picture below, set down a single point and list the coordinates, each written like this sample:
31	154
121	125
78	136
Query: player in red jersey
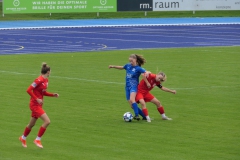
144	95
37	90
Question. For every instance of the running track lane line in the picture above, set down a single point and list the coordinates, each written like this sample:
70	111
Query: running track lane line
122	25
108	82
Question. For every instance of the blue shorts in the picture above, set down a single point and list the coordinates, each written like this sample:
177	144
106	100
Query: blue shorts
129	90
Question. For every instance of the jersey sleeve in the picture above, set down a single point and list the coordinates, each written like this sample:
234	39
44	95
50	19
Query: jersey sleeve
45	93
159	85
36	83
151	76
125	66
141	70
32	86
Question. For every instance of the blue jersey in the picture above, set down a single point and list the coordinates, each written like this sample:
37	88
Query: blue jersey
132	74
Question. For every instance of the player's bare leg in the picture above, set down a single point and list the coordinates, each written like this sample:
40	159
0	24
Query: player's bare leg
27	131
46	122
144	109
160	109
32	123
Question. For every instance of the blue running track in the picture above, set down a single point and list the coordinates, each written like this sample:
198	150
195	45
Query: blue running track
29	38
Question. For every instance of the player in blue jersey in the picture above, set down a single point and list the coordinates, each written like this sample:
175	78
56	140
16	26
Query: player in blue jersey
133	71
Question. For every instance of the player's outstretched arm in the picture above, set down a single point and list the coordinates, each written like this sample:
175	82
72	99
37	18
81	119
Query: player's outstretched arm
116	67
168	90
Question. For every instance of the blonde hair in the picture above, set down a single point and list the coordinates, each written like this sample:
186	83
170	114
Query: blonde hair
164	76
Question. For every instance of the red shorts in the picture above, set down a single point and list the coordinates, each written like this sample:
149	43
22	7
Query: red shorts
146	96
37	111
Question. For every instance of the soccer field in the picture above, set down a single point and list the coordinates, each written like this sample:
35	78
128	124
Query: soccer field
86	120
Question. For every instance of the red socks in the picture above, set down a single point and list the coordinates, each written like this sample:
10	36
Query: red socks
161	110
41	131
26	132
145	111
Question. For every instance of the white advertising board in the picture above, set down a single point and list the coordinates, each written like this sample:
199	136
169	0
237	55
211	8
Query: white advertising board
185	5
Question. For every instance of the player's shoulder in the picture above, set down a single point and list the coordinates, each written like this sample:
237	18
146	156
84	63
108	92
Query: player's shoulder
39	79
127	65
152	76
139	68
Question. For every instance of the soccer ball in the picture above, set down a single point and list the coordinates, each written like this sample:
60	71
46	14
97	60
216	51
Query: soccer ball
127	117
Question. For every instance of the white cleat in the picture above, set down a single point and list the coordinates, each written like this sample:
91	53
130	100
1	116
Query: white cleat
148	119
166	118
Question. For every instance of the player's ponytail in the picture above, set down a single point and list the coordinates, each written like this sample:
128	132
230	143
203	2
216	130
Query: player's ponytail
45	68
140	60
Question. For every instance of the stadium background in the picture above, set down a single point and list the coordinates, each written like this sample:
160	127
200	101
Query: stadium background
86	120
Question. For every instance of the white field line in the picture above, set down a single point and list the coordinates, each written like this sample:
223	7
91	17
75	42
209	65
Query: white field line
123	25
60	77
108	82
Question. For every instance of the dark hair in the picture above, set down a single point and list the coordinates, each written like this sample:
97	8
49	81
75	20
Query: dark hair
140	60
45	68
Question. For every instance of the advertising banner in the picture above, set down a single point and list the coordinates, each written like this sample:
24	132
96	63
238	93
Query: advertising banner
134	5
58	6
217	4
185	5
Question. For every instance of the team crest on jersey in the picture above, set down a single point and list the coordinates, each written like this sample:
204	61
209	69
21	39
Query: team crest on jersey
133	69
34	84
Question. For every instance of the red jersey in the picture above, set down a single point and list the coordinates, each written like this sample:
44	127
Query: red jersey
142	87
38	89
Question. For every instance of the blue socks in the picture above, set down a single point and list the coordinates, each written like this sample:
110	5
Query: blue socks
141	113
135	108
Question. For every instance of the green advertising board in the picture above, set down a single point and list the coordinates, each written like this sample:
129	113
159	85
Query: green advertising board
58	6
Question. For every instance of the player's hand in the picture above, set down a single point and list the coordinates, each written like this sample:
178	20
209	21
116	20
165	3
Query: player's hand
110	66
148	85
40	101
147	74
174	91
55	95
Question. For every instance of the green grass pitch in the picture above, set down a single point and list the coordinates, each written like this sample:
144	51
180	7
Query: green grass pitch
86	120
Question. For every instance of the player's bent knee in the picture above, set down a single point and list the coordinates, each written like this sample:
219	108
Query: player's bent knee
143	107
158	103
47	122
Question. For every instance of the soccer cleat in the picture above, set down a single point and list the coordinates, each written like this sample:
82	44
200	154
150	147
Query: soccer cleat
146	119
38	143
149	120
24	142
136	118
166	118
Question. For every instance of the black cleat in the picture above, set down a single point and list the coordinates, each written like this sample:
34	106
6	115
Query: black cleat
144	118
136	118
